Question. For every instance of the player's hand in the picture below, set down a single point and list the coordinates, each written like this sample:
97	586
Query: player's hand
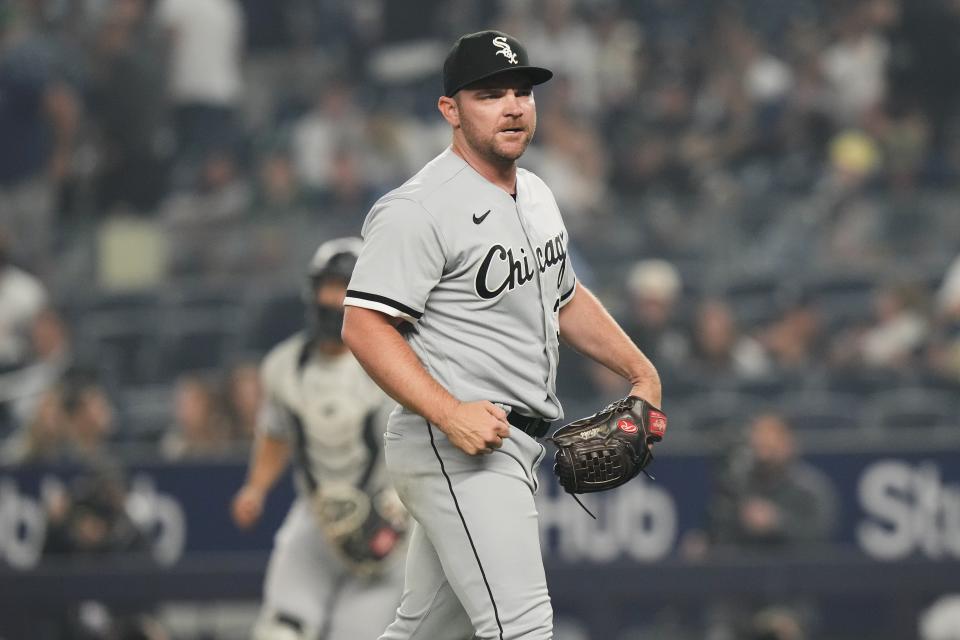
759	515
247	506
651	393
477	427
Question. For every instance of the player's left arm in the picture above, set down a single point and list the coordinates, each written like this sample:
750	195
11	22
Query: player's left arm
588	328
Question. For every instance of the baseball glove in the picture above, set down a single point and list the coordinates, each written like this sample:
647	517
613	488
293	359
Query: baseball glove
609	448
363	529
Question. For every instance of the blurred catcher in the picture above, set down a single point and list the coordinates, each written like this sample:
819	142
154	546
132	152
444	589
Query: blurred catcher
333	573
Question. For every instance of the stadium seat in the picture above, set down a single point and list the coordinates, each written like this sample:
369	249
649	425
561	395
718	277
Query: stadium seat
146	412
822	410
124	344
197	342
754	299
717	410
844	298
273	319
223	299
912	408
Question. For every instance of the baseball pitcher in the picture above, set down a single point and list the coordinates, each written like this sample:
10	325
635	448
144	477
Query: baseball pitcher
460	297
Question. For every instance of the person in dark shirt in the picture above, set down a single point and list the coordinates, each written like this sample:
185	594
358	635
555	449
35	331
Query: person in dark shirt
769	498
38	121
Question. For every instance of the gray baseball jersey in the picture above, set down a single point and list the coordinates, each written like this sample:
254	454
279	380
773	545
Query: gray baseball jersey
481	278
333	415
328	408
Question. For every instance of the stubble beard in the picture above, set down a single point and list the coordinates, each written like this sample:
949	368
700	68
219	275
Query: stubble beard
488	147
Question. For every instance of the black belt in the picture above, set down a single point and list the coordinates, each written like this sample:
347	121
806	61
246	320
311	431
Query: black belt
536	427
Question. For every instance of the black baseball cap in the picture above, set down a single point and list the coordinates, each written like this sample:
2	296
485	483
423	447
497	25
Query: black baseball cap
477	56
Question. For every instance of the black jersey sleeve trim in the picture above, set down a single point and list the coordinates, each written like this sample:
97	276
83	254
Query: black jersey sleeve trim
568	293
373	297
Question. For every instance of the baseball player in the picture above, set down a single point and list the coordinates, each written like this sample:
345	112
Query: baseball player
460	296
321	409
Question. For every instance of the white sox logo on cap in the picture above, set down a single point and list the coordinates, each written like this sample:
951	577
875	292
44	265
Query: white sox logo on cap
501	43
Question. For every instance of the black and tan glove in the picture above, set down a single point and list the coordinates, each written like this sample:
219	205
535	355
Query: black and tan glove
609	448
363	529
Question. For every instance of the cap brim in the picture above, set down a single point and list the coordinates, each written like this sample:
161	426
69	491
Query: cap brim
537	75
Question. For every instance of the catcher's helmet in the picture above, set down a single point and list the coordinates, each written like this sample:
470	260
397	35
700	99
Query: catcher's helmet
333	260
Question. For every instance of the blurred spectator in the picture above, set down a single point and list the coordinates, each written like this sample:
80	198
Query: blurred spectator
769	498
855	65
89	417
334	124
90	518
22	298
948	296
206	46
924	38
894	337
569	155
93	620
39	116
719	349
795	341
619	57
776	623
905	139
43	438
207	221
562	41
278	192
243	397
50	357
220	193
654	324
127	104
199	429
943	351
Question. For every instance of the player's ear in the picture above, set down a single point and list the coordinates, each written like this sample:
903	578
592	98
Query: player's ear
450	110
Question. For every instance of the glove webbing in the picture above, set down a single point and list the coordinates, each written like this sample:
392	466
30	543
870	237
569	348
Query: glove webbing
590	513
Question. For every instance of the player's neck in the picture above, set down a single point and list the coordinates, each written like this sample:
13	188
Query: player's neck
501	174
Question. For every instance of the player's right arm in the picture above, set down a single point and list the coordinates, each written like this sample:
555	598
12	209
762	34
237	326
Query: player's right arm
267	463
473	427
403	258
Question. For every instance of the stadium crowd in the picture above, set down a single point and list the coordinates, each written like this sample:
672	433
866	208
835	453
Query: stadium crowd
782	171
764	193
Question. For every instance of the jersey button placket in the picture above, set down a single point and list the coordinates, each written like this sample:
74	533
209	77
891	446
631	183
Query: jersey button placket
546	309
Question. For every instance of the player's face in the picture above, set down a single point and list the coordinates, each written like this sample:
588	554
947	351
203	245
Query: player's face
331	293
327	322
498	116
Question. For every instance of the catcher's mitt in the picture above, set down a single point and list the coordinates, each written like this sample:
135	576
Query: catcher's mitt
363	529
609	448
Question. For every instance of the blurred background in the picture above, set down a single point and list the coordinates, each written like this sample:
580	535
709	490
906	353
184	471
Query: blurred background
763	193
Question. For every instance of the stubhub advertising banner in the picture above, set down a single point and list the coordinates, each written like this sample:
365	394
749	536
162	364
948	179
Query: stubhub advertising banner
892	507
